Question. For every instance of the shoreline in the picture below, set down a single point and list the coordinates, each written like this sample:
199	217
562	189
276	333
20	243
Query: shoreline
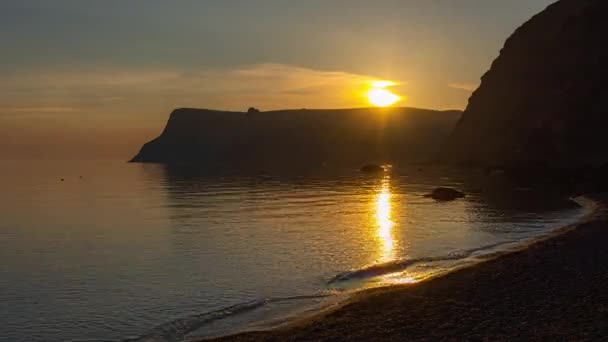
389	311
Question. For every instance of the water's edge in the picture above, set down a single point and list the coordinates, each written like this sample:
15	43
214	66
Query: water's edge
179	329
594	208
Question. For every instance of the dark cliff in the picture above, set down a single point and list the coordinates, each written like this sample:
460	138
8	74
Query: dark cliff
545	98
297	138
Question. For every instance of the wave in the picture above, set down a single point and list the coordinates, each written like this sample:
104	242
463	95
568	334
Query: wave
177	329
403	264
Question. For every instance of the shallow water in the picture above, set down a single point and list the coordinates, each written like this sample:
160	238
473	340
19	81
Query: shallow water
122	250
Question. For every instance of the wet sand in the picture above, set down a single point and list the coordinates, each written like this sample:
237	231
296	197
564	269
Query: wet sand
554	290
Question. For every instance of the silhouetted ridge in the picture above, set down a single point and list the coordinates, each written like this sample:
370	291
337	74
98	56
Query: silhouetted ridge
545	98
298	138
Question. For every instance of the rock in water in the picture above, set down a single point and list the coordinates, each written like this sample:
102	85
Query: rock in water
445	194
545	98
371	168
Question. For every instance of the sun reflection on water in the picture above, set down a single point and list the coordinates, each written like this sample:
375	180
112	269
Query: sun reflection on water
384	222
399	279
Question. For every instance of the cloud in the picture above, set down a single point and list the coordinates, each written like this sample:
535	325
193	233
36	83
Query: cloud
267	86
464	86
38	109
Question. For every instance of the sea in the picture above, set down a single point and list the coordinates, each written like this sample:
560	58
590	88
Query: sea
105	250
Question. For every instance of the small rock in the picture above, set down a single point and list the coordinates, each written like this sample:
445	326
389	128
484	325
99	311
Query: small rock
445	194
371	168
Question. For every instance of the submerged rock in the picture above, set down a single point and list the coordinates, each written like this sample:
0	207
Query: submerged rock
371	168
445	194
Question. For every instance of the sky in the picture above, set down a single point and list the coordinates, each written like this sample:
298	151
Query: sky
97	78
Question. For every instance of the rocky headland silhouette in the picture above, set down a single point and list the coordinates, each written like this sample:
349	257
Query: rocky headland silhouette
299	138
544	100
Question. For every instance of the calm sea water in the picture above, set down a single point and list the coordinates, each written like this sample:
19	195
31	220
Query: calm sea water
117	251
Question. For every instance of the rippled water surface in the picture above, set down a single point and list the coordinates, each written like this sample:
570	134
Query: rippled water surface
120	250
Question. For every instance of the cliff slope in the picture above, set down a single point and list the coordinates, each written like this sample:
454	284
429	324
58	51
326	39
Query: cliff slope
545	99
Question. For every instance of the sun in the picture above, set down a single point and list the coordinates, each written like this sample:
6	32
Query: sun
379	96
382	97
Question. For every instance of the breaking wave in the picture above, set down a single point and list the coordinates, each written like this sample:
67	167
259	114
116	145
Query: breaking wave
403	264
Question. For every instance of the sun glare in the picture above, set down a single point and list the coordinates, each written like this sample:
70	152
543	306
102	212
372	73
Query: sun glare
379	96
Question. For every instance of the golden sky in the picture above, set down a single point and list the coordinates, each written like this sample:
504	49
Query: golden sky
100	78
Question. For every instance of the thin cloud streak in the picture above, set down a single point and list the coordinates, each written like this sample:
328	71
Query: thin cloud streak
464	86
39	109
268	86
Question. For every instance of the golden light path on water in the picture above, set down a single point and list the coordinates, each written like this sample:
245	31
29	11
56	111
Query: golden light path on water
383	219
385	233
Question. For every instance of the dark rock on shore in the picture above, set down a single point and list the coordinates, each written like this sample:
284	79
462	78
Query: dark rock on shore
445	194
545	98
574	180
